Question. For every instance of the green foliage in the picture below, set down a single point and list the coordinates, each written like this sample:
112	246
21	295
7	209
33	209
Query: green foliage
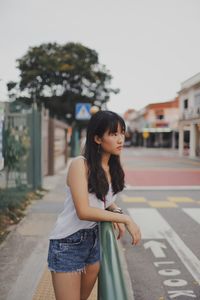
70	72
13	203
15	150
12	198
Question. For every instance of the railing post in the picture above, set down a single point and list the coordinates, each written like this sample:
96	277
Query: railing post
111	282
35	165
75	148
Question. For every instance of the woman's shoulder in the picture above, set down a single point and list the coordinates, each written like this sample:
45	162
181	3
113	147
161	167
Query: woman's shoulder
80	156
78	162
77	168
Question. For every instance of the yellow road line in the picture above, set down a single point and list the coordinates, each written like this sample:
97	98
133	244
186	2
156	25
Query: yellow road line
133	199
161	204
180	199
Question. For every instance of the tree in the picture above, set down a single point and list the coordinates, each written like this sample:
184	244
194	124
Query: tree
64	73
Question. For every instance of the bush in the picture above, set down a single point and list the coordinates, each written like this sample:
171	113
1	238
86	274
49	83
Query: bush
12	198
15	151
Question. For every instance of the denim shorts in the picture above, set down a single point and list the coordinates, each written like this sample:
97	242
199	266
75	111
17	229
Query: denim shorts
74	252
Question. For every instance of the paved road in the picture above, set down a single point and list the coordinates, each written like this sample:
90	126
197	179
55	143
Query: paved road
158	167
166	264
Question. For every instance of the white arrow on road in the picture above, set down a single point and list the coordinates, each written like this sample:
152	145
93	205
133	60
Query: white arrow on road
156	248
154	226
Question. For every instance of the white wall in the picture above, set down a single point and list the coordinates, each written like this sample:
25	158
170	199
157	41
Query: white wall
192	104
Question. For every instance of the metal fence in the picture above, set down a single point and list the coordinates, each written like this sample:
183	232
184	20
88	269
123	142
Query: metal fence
45	141
22	147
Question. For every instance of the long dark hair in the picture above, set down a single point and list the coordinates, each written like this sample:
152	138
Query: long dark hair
98	184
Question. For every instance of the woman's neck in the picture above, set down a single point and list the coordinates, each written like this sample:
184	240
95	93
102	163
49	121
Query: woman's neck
105	159
104	163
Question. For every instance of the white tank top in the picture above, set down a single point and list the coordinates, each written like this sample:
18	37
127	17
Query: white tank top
68	221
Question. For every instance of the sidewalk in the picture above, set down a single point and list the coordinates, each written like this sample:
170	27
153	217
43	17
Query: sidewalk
45	291
23	254
23	267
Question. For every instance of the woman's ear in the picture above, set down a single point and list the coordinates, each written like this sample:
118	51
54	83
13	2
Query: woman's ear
97	139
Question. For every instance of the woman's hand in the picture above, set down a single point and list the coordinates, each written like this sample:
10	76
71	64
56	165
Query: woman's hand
134	231
120	227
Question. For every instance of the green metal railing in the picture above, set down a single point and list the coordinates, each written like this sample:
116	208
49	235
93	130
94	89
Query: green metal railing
34	167
111	282
31	167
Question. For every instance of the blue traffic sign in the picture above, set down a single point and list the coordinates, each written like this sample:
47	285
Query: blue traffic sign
83	111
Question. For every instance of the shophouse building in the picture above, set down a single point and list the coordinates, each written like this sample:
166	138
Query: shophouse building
156	125
189	117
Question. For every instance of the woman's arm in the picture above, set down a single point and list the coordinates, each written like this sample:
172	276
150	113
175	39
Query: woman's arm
77	180
113	207
120	227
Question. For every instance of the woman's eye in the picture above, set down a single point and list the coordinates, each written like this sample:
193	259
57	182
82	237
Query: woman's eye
116	133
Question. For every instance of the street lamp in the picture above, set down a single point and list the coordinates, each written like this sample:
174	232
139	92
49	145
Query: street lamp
94	109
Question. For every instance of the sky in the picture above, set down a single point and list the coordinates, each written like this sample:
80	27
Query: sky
149	46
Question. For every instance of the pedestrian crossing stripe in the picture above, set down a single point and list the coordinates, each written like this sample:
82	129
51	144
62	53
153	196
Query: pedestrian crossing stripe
180	199
194	213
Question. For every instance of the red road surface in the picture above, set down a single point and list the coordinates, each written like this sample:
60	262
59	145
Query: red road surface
153	177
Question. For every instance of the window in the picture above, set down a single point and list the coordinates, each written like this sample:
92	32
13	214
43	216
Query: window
159	114
197	100
159	117
185	103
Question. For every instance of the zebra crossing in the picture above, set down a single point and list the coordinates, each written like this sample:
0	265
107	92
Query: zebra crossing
193	213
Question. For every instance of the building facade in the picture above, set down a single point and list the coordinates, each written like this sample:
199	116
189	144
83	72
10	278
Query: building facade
162	123
189	117
156	125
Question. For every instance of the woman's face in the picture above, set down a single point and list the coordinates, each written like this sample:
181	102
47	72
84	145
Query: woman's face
113	142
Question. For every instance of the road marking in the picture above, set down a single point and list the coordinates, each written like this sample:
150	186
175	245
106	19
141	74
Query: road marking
180	199
161	204
133	199
162	188
154	226
156	248
154	169
171	201
194	213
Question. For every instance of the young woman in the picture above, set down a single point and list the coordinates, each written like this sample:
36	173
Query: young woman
92	183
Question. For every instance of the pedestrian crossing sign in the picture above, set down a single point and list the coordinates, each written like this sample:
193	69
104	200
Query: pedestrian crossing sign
83	111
